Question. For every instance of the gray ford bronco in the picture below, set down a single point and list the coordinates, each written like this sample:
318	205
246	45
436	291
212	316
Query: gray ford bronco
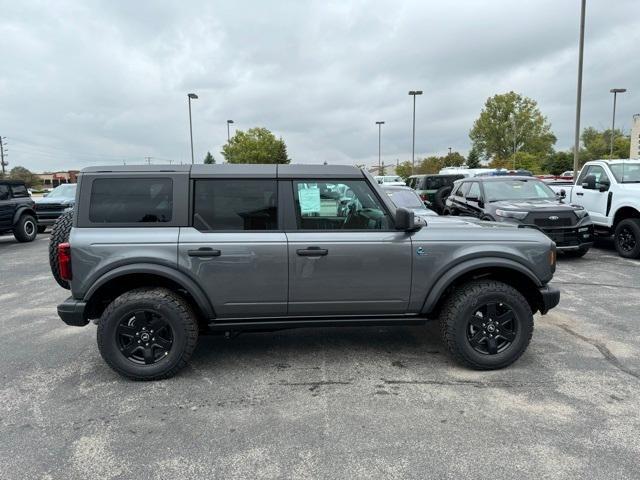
157	256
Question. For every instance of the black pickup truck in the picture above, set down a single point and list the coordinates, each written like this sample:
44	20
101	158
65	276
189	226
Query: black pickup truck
17	214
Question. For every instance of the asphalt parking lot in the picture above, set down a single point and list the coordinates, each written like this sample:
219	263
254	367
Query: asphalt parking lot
326	403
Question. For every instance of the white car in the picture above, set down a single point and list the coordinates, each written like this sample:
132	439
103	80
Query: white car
390	180
610	191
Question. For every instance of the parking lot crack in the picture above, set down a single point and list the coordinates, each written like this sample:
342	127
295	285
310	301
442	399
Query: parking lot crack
602	348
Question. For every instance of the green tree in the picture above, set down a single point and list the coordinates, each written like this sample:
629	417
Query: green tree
404	170
558	162
20	173
597	144
473	159
208	159
256	145
454	159
511	122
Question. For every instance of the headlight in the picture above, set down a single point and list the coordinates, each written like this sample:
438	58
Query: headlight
511	214
581	212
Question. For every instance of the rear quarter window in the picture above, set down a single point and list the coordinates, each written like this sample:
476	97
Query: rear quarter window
131	200
19	191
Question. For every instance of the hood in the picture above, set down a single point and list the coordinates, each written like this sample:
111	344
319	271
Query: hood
550	205
57	201
448	221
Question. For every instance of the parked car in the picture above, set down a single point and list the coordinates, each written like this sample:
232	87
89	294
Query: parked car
526	201
203	248
405	197
16	211
51	206
389	180
610	191
434	188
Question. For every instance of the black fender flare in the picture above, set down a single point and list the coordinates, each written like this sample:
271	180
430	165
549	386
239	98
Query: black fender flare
451	275
169	273
21	211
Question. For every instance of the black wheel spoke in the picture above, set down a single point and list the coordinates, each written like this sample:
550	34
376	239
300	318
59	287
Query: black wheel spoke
477	321
505	318
508	335
140	319
491	310
127	330
491	345
128	350
477	338
156	324
163	344
148	355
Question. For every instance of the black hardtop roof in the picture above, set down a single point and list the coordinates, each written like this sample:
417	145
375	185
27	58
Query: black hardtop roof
229	170
7	181
498	178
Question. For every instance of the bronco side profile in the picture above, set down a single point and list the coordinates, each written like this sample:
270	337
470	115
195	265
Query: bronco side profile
157	256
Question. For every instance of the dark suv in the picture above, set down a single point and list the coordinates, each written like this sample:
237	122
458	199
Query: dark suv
16	211
160	255
526	201
433	189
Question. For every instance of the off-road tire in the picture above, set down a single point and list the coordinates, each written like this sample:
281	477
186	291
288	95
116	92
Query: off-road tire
459	307
176	312
630	226
581	252
26	230
59	234
440	198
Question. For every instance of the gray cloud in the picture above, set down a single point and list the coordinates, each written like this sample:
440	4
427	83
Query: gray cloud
104	82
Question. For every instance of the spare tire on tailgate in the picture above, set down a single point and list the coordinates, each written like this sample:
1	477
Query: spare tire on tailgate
440	198
59	234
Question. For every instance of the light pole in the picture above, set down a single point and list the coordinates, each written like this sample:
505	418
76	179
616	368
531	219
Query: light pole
576	139
515	138
229	122
191	96
615	92
413	138
379	146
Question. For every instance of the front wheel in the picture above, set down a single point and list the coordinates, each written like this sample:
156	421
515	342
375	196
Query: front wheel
486	324
27	228
627	238
147	334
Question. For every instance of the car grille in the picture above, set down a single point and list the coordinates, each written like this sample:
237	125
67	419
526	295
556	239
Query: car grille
543	219
50	207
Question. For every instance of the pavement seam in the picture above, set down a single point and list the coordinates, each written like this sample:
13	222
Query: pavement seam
602	348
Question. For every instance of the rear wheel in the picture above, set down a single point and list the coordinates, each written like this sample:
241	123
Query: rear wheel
486	324
26	229
627	238
59	234
440	198
147	334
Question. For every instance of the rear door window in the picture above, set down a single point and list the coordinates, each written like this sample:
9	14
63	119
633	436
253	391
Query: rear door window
235	205
19	191
131	200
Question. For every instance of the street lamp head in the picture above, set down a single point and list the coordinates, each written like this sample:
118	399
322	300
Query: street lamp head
379	123
192	95
415	92
229	121
618	90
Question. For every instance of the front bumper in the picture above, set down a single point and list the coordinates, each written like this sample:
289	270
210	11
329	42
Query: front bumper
549	298
568	238
71	311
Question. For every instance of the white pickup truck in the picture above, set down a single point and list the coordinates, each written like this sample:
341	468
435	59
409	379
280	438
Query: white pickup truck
610	191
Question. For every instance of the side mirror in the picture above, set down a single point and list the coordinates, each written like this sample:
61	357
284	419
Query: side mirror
563	193
589	182
405	220
603	186
45	194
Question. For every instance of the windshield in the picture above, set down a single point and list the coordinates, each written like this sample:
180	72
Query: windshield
517	190
626	172
63	191
405	198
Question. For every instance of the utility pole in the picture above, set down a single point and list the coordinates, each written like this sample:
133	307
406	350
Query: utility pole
148	159
515	133
413	136
2	154
615	92
576	140
379	146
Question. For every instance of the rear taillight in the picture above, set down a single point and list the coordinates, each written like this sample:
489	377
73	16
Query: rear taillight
64	261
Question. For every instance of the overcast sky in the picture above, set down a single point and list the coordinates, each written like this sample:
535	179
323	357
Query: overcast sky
85	83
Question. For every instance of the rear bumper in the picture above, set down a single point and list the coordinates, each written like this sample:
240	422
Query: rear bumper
550	297
71	311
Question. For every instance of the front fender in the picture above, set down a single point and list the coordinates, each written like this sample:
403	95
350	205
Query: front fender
450	276
21	211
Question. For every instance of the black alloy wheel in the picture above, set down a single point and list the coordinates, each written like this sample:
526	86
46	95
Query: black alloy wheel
492	328
626	239
144	337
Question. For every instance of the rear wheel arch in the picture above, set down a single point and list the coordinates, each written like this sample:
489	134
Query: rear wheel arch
623	213
23	211
129	277
499	269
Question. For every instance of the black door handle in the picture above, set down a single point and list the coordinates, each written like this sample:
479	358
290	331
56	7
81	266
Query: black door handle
312	252
204	252
579	193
